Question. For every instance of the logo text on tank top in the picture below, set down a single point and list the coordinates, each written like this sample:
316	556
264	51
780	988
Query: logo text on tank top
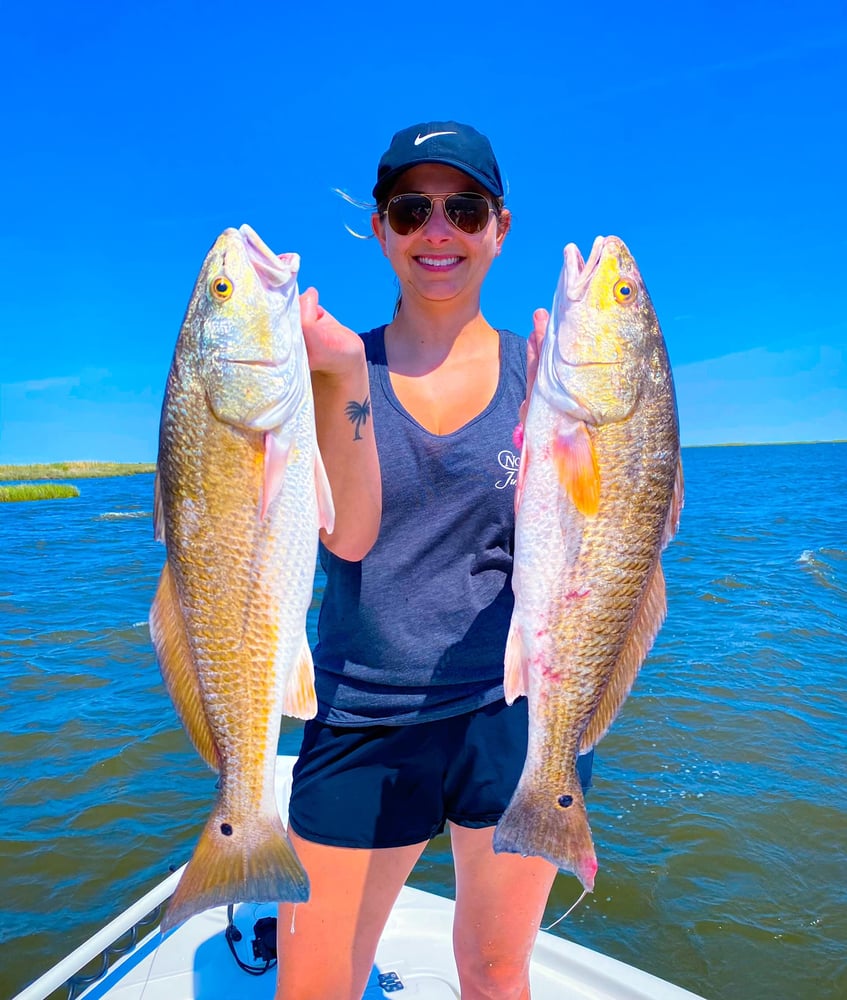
510	463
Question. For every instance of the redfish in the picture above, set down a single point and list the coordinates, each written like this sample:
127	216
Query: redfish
241	492
599	496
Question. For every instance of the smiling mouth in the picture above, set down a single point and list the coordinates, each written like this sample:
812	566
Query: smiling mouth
438	261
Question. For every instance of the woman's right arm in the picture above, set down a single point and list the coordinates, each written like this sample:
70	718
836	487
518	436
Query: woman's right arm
344	427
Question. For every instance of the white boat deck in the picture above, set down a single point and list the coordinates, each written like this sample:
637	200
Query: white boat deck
414	958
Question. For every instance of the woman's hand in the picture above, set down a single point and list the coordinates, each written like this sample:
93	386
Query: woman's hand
334	350
533	349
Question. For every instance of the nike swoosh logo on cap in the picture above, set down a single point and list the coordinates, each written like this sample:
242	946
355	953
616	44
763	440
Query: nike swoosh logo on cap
430	135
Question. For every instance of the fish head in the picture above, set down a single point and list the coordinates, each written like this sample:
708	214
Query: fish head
241	338
600	335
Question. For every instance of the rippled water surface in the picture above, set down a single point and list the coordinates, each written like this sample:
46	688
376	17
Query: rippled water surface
718	809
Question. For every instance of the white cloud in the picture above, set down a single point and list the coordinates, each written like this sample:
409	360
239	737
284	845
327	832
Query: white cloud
35	385
58	386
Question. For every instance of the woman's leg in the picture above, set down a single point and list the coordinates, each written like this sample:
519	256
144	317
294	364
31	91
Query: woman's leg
500	900
326	947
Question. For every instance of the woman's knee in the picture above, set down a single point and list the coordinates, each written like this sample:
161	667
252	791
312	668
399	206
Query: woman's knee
493	976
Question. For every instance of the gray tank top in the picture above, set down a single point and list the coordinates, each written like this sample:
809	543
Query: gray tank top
417	630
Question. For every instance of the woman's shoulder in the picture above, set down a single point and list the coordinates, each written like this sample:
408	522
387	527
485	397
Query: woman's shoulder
514	350
374	341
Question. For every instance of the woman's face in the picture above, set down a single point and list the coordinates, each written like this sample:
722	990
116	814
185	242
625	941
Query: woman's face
438	262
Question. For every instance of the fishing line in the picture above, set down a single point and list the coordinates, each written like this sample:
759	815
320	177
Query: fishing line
152	963
567	913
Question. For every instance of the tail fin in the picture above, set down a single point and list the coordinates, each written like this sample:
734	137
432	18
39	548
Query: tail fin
551	825
252	862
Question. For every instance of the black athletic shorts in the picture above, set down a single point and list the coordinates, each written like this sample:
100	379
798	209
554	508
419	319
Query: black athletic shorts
391	786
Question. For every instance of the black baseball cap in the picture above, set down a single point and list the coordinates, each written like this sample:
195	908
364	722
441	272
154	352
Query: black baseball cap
452	143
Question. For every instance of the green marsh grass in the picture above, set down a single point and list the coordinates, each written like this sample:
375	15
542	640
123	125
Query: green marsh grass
72	470
37	491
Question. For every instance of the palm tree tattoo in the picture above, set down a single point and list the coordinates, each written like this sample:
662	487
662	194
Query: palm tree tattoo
357	414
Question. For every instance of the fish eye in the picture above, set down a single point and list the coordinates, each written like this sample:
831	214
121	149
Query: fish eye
221	288
625	291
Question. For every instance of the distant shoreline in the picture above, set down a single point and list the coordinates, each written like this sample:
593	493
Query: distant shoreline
72	470
40	471
765	444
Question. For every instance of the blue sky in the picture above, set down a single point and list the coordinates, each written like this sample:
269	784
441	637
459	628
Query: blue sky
711	137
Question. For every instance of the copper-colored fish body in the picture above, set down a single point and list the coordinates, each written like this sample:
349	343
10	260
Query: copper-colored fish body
599	496
240	495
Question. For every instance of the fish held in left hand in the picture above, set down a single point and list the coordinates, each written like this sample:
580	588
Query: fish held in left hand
599	495
241	493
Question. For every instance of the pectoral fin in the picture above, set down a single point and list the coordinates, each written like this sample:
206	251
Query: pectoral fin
277	454
576	465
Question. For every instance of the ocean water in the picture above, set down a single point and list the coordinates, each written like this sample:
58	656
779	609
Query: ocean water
718	810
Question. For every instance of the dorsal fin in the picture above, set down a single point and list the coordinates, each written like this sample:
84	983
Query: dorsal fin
642	634
167	630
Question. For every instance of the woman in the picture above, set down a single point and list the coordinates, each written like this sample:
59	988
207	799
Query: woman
412	731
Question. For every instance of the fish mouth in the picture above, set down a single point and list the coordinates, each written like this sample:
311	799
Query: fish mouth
578	272
275	270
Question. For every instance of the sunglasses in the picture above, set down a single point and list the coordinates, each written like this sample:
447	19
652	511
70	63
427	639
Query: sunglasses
467	211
